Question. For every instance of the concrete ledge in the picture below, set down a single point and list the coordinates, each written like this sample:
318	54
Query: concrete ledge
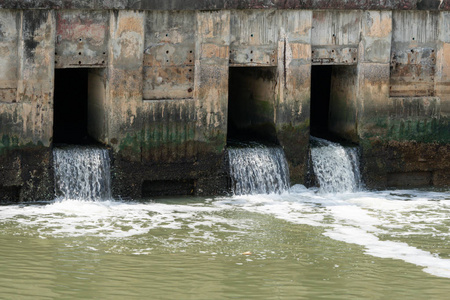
228	4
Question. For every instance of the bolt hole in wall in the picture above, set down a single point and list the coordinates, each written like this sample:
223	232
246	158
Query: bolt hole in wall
333	102
251	96
78	106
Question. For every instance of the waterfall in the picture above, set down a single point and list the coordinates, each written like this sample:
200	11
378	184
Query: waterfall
82	173
258	169
336	167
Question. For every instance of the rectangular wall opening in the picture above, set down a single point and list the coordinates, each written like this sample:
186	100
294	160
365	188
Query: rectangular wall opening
251	98
79	106
333	102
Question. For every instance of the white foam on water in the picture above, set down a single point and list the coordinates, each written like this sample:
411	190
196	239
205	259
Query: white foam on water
377	221
109	219
360	218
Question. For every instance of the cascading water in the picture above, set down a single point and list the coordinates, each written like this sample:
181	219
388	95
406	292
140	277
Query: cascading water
336	167
258	169
82	173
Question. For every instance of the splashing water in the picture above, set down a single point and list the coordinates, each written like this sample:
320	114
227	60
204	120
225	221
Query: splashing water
258	170
336	167
82	173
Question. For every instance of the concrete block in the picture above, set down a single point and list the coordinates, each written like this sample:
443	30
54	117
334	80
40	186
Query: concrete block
336	27
81	39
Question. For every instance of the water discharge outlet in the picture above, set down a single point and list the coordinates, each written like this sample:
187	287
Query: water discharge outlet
258	169
82	173
336	168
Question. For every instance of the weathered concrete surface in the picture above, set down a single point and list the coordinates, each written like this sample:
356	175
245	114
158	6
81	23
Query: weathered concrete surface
228	4
399	118
343	103
408	164
159	81
26	112
294	77
81	39
413	54
169	56
254	36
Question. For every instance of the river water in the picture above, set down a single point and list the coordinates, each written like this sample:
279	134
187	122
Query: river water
298	244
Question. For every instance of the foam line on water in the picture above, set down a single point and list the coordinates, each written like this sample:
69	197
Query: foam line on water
360	218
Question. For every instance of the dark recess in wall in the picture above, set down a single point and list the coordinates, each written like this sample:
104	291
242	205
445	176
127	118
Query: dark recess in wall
251	96
70	106
320	100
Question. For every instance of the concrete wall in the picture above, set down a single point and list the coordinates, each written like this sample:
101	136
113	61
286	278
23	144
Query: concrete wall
343	103
158	85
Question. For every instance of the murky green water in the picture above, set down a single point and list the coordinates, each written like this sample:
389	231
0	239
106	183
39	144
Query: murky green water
301	245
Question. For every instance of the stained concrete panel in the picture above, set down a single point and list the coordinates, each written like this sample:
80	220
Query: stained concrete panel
169	55
254	36
375	46
336	28
9	38
335	36
81	39
413	54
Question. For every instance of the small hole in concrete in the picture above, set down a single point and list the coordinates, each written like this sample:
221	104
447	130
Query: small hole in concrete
354	58
251	35
190	60
332	51
190	70
56	53
189	90
79	53
167	34
412	51
104	53
413	39
251	52
432	51
191	51
103	61
334	35
56	62
251	59
167	60
79	62
167	52
79	40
